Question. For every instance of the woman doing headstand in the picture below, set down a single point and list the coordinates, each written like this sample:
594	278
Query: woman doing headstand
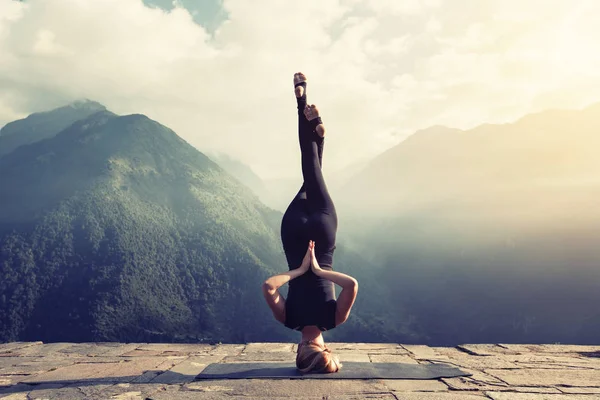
308	232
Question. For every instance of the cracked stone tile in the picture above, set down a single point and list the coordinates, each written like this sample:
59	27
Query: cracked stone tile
579	390
415	385
129	391
547	377
187	348
118	351
185	371
485	349
477	362
91	389
421	352
466	383
127	371
555	361
385	348
32	369
481	377
228	349
153	353
13	346
85	349
534	396
549	348
41	350
114	372
63	393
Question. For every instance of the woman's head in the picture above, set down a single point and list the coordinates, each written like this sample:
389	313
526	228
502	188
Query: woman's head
312	357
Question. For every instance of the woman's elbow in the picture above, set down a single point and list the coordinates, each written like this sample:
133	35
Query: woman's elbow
268	287
353	285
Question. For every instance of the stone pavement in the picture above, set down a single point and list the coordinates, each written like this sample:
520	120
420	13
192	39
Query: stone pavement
33	370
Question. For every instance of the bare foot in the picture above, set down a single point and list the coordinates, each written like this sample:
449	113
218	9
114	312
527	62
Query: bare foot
312	112
299	77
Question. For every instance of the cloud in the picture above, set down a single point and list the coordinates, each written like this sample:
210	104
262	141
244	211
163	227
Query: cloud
379	70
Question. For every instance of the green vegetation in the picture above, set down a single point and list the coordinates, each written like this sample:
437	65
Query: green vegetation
117	229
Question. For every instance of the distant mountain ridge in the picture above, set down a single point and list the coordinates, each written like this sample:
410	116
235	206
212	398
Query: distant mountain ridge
44	125
440	165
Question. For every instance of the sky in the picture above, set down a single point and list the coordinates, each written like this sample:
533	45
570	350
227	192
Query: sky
219	72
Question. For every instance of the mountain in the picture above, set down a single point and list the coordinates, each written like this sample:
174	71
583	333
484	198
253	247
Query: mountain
546	155
242	173
487	235
44	125
117	229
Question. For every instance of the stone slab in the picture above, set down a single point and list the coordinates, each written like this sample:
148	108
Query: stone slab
466	383
32	369
85	349
129	391
548	377
476	362
550	348
228	349
153	353
6	362
186	371
485	349
481	377
557	361
112	372
579	390
187	348
125	371
371	348
41	350
421	352
118	351
13	346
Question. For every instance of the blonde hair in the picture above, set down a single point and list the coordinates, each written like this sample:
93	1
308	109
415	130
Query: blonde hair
312	357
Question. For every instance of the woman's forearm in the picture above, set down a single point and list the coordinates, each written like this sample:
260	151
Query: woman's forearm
343	280
277	281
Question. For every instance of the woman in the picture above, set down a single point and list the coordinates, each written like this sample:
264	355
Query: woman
308	231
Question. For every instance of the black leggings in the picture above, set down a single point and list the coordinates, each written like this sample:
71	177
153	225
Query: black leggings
310	216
